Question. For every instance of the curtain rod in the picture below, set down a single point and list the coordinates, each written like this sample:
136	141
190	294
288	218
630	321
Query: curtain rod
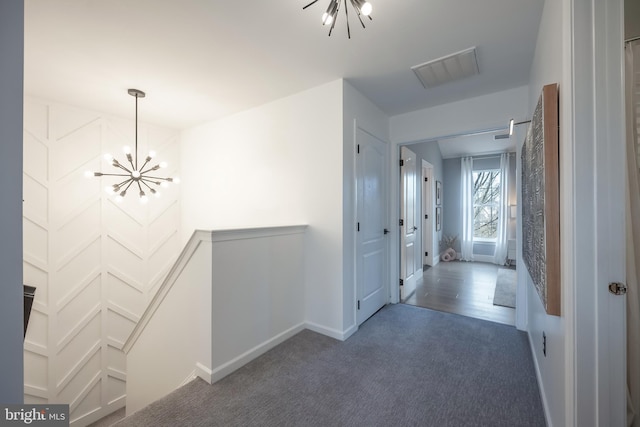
632	39
492	156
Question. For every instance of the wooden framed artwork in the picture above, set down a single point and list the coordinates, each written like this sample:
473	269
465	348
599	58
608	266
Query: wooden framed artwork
541	200
438	218
438	193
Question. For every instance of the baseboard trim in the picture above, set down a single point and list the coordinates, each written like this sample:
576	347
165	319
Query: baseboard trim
225	369
203	372
543	395
98	414
333	333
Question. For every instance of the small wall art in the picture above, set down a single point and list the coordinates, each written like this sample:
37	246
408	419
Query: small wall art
438	218
438	193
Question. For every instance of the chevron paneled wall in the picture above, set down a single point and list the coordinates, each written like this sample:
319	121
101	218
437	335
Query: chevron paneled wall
95	262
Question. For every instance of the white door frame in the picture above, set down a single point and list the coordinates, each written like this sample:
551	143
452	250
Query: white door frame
596	378
427	214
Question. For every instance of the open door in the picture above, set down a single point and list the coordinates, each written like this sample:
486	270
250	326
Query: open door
409	237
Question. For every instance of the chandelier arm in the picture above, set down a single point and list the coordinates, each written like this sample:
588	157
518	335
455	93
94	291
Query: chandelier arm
333	24
115	174
154	168
119	165
139	186
346	15
147	185
313	2
360	18
157	177
143	165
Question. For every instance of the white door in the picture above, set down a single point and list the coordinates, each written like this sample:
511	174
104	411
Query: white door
427	213
372	247
409	223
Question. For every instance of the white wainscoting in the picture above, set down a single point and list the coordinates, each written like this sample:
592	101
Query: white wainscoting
95	263
231	296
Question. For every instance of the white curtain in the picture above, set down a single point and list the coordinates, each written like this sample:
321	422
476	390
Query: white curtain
500	255
632	93
467	208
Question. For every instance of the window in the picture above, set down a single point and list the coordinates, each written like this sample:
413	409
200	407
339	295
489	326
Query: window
486	203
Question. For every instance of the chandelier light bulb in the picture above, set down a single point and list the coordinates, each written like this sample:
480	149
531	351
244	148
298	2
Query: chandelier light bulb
108	157
176	180
326	19
88	174
366	9
152	154
164	165
144	199
164	184
126	149
119	198
109	190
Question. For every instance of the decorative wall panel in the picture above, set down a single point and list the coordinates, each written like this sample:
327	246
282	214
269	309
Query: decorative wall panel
541	200
94	262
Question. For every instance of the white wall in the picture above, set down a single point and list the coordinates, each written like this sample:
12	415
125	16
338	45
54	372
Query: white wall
213	314
485	112
277	164
11	82
95	263
547	68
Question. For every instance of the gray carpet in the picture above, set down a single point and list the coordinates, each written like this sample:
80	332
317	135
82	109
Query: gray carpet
406	366
505	293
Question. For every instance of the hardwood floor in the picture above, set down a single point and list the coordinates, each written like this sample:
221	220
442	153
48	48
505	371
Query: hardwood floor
464	288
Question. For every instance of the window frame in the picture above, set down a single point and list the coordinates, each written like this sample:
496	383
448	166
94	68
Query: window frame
477	239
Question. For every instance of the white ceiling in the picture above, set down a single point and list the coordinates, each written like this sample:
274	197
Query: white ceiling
199	60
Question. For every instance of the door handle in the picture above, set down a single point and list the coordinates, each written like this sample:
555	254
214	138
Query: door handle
415	228
386	231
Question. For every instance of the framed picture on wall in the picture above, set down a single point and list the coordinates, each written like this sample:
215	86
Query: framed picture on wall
438	193
438	218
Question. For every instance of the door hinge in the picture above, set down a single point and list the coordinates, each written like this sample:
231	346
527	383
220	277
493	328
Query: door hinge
358	148
426	179
617	288
401	162
401	282
426	216
358	227
426	254
401	222
358	304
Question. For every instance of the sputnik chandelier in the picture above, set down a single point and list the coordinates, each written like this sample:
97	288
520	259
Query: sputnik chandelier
134	174
362	8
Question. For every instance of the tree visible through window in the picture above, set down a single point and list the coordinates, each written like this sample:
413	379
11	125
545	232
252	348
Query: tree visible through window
486	202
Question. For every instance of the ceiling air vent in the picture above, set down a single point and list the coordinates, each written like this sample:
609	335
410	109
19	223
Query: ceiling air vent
447	69
501	136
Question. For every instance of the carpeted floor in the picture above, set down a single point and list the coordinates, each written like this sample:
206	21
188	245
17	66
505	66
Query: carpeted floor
406	366
505	293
